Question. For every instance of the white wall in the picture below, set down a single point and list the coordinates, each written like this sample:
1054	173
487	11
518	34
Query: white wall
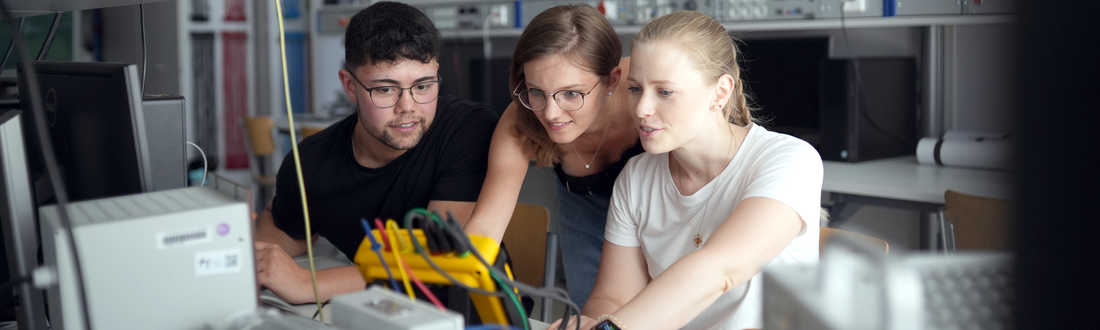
122	43
979	86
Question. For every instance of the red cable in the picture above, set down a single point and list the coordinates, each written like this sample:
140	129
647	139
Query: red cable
423	288
412	275
382	231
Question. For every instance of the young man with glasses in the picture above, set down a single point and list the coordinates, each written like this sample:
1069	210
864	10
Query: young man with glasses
406	147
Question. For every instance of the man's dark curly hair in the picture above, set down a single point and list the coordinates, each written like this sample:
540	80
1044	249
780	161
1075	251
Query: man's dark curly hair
388	31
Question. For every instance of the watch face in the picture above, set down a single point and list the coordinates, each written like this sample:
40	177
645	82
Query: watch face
606	325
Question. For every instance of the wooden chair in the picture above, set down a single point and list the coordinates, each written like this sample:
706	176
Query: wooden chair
975	222
533	249
259	135
310	130
827	233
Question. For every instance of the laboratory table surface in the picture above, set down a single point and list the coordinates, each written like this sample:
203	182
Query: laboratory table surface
904	179
903	183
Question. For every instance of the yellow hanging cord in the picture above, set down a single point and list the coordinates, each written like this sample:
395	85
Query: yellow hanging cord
297	159
391	231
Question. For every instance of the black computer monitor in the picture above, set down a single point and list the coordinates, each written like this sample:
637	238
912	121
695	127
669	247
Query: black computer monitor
96	123
17	216
783	76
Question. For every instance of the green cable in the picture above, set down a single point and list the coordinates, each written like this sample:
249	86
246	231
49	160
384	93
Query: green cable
504	286
429	214
507	289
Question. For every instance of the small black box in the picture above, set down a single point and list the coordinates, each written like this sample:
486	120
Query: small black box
868	108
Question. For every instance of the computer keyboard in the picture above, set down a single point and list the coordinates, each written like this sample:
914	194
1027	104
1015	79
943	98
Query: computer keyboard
856	287
965	291
265	318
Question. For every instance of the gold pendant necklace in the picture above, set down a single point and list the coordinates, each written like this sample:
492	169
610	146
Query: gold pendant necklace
605	129
698	234
698	239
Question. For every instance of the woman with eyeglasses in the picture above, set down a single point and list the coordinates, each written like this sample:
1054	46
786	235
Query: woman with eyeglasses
568	111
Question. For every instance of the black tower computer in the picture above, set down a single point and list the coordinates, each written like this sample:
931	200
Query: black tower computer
870	114
109	140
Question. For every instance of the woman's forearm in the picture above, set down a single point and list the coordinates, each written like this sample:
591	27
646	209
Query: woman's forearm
681	293
506	170
598	305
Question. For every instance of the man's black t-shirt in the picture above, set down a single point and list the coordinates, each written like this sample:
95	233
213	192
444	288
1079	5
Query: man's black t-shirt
448	164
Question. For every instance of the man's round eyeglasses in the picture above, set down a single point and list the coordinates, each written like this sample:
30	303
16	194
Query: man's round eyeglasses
388	96
536	99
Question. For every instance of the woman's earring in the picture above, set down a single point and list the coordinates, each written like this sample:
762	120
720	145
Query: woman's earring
609	93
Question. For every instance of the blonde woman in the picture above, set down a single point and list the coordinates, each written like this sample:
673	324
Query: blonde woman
713	200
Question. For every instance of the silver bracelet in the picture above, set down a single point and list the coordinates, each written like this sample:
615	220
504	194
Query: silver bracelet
613	319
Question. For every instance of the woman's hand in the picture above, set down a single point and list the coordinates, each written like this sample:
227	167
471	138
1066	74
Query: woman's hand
586	323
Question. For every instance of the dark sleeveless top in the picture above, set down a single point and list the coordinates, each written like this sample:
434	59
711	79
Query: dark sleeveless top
600	183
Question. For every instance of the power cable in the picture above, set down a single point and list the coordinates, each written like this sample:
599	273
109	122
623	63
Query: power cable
49	36
861	104
205	167
144	55
297	160
11	46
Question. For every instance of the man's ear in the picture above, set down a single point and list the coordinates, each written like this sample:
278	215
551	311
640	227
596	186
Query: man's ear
348	82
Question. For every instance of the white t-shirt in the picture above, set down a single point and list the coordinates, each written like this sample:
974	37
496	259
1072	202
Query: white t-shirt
644	212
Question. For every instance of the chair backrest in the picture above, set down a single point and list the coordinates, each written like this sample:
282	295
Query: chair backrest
525	240
827	233
310	130
980	223
259	133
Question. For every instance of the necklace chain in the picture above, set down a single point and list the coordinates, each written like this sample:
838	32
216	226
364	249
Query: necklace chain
605	129
698	238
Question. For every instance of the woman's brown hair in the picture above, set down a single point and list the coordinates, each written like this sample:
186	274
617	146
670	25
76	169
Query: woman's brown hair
584	37
712	49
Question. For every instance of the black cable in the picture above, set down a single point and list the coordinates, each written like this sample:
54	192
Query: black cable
11	46
56	181
455	228
49	36
860	102
144	56
552	293
422	251
319	310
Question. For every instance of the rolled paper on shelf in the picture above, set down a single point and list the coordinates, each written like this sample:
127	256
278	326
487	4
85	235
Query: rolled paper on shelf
963	150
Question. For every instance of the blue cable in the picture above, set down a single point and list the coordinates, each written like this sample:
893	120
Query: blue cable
377	248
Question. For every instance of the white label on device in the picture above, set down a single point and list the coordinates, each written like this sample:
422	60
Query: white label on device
217	262
183	238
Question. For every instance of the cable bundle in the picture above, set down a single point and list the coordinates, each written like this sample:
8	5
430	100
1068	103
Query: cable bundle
447	252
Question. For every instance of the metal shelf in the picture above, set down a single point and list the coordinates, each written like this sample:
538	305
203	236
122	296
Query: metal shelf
42	7
782	25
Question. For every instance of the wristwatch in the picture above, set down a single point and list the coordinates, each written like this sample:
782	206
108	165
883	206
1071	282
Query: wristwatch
606	325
